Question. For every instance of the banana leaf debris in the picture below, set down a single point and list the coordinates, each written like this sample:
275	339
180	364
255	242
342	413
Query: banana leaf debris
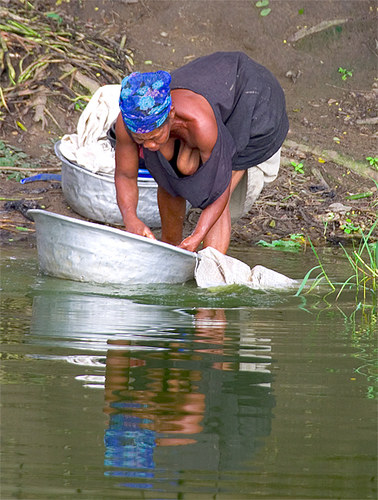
46	54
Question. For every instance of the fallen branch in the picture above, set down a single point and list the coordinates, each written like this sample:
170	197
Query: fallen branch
53	119
18	199
324	25
3	101
39	103
368	121
84	80
357	166
31	169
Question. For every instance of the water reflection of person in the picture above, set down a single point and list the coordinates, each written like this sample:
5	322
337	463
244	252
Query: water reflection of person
210	326
164	400
160	406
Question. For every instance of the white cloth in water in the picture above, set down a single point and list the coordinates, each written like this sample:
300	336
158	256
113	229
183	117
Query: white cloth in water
89	147
215	269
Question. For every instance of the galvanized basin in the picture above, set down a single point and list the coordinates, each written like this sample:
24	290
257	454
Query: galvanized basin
85	251
93	195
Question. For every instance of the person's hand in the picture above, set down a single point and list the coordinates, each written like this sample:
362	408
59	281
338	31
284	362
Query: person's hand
138	227
191	243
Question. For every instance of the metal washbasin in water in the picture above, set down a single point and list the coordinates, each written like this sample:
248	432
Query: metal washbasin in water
85	251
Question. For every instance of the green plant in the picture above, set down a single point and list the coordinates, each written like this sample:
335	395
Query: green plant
319	278
298	167
17	176
345	73
348	227
293	244
13	157
373	161
264	5
364	264
55	16
80	105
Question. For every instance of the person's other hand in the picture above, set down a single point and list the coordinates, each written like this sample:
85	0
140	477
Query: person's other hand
191	243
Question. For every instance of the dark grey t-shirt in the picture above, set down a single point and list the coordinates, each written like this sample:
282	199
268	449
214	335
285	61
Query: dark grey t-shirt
249	106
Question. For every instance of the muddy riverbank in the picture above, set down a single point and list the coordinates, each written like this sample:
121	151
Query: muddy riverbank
330	197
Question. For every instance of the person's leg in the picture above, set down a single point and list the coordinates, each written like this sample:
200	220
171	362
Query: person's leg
172	213
219	235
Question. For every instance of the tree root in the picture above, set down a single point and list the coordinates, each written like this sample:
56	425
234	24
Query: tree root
357	166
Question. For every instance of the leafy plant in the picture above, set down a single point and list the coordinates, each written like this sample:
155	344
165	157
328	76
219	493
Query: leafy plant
293	244
13	157
55	16
17	176
298	167
345	73
80	105
348	227
264	5
373	160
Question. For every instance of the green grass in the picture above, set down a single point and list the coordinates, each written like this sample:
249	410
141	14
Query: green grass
363	261
362	282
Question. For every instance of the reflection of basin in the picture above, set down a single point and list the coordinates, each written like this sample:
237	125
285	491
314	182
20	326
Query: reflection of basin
98	323
84	251
93	195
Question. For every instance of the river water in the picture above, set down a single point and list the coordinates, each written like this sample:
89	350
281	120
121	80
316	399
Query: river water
172	392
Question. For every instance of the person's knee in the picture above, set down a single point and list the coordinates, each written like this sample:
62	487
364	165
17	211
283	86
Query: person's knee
236	178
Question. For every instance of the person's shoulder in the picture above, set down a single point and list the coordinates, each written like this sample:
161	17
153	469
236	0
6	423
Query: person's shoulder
184	97
192	106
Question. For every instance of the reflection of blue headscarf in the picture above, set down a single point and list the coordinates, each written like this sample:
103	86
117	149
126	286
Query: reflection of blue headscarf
145	100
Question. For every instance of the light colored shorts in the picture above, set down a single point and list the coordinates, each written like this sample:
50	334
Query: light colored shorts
251	185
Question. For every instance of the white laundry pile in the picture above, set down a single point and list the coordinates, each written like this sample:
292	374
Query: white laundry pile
215	269
89	147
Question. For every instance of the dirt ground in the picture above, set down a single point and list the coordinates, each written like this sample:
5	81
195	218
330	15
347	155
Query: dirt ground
332	121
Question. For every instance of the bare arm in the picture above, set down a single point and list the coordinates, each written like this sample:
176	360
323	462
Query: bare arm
126	181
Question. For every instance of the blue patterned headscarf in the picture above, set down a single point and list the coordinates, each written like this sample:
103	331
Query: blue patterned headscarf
145	100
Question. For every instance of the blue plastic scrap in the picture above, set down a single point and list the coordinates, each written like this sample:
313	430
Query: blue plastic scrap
42	177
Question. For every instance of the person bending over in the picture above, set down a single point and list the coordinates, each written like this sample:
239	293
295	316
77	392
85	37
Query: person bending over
201	130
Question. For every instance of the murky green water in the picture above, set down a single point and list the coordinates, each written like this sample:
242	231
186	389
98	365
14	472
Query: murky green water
164	392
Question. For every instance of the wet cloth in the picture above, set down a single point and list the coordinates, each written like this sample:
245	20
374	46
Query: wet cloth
145	100
215	269
249	108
